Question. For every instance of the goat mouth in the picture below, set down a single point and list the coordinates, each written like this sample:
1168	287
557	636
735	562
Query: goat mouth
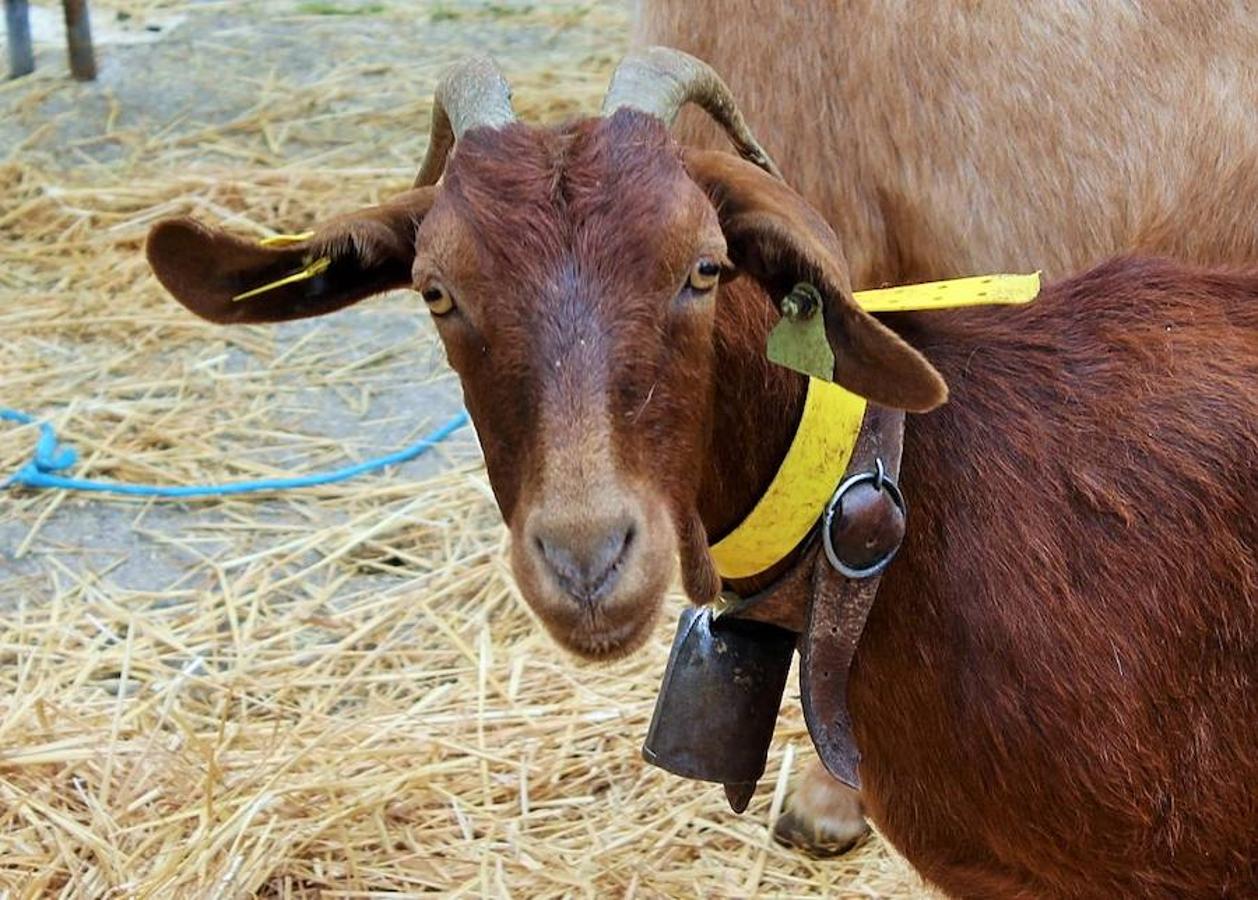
604	642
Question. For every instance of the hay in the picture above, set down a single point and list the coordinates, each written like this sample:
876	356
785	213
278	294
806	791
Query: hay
335	692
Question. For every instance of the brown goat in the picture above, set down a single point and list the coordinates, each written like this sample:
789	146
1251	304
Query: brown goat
944	139
1057	691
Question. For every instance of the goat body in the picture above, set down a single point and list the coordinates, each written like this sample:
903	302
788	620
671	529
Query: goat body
951	139
943	139
1057	690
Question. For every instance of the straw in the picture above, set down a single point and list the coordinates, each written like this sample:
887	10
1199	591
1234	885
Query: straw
337	692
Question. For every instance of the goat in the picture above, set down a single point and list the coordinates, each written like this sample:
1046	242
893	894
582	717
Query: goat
945	139
942	139
1069	641
1057	689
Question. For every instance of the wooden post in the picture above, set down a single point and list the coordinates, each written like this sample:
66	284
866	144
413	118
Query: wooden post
18	27
79	39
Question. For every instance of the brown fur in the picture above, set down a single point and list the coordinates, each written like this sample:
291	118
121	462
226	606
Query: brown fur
1068	643
944	139
581	223
371	251
955	138
1056	693
567	252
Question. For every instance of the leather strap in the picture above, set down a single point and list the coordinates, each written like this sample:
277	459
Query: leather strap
837	614
783	603
828	609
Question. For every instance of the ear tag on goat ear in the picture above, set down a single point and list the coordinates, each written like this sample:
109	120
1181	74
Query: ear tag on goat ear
798	340
285	240
318	267
978	290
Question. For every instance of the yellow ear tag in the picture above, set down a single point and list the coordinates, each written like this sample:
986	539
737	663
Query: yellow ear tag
798	341
317	267
980	290
285	240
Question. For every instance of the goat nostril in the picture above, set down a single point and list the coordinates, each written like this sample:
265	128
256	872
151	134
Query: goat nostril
616	547
586	563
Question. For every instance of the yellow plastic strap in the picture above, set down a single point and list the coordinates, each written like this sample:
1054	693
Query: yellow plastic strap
795	499
980	290
318	266
830	426
285	240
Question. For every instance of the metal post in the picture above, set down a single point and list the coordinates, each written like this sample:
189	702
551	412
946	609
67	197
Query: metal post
18	27
79	38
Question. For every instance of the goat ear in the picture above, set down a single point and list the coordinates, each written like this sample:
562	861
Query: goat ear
777	238
366	252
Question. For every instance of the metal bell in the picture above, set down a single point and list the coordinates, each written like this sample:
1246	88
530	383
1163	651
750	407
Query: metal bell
719	701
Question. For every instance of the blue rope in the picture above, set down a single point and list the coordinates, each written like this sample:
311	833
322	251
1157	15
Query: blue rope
51	457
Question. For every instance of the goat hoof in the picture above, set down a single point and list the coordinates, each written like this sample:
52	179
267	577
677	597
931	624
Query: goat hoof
823	817
813	839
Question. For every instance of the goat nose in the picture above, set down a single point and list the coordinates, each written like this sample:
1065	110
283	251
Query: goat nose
586	558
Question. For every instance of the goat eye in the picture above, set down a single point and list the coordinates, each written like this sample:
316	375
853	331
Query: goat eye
438	298
704	275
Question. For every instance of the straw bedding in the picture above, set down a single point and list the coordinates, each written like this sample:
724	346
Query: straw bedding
329	693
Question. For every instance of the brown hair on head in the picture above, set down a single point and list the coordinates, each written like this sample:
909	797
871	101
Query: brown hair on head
585	355
589	332
573	275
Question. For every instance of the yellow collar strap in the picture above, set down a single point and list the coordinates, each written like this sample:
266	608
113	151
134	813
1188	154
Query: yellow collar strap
797	495
828	428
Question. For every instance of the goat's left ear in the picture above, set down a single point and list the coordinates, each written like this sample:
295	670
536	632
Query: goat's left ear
227	279
777	238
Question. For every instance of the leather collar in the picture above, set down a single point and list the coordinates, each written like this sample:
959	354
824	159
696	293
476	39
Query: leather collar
827	604
830	522
822	448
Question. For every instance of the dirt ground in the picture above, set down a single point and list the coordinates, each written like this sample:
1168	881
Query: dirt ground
333	692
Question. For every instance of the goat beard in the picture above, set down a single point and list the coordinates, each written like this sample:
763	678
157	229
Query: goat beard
698	573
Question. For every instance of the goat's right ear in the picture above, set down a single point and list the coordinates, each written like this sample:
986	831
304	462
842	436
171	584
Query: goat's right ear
777	238
366	253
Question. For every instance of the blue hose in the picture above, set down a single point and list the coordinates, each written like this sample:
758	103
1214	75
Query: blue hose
51	457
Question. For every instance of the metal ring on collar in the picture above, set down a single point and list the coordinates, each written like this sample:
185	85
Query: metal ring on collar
881	481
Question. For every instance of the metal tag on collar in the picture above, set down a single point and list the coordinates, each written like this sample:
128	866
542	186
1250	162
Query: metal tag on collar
864	523
718	704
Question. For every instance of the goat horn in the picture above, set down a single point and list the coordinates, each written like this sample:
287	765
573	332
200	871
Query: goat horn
472	93
660	81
